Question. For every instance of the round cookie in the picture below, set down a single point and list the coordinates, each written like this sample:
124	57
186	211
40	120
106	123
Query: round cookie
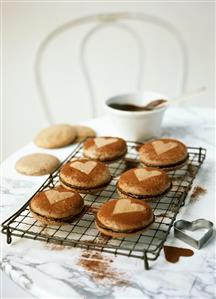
37	164
56	205
83	132
166	153
84	175
104	148
143	183
123	217
55	136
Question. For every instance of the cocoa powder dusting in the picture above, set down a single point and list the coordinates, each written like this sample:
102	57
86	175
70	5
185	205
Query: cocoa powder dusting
196	193
57	247
101	239
100	269
192	170
173	208
92	210
161	215
137	147
172	254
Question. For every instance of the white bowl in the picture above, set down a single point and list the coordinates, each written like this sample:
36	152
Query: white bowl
136	125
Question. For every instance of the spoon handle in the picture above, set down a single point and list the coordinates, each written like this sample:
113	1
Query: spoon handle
188	95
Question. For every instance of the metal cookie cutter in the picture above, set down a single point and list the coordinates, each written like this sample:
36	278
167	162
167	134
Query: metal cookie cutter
181	225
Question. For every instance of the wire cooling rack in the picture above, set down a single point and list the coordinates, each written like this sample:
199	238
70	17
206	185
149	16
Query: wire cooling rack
82	231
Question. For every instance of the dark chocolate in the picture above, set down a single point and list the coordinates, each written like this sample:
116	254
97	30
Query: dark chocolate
168	166
83	188
138	196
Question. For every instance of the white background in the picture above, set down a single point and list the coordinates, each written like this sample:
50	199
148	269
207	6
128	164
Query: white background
111	59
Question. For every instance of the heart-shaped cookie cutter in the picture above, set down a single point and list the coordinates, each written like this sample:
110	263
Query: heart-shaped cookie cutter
181	225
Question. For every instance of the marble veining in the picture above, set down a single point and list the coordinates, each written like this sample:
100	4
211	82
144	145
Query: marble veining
144	284
47	272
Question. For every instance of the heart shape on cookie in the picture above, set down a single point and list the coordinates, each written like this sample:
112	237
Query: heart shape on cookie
161	147
100	141
55	196
125	206
143	174
85	167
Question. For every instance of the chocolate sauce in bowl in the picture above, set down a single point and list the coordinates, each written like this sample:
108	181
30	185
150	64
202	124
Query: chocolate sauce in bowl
134	108
126	107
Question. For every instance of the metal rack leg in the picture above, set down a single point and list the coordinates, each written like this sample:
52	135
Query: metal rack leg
146	264
200	155
9	239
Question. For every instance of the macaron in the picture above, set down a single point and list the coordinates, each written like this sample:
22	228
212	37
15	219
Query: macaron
37	164
56	136
84	175
143	183
166	153
83	132
104	148
124	217
56	205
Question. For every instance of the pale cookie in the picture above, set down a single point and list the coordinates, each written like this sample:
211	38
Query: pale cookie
56	136
83	132
37	164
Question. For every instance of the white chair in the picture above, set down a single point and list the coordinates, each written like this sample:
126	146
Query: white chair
122	21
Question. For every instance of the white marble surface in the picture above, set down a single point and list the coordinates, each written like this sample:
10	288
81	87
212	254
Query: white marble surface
47	273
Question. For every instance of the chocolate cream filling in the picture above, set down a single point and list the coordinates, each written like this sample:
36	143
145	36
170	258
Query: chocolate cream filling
123	231
63	219
138	196
108	160
167	166
83	188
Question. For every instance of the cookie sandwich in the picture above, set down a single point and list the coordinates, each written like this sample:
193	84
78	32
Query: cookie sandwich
84	175
143	183
166	153
56	206
104	148
124	217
